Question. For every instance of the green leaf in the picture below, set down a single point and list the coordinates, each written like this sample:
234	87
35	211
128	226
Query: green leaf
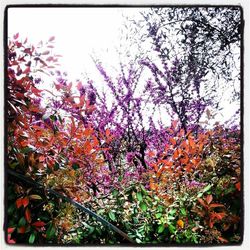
138	240
53	118
158	215
91	230
143	206
112	216
199	195
172	211
60	119
171	217
205	189
144	191
26	150
11	209
75	166
160	209
183	211
160	229
139	196
135	220
208	187
14	164
35	197
50	233
32	238
22	222
115	192
171	228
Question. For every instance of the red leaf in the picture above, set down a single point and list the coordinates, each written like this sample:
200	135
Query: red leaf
222	240
36	91
209	198
237	186
211	223
16	35
27	70
11	230
51	38
27	215
21	230
25	201
174	123
50	58
41	158
220	216
24	143
46	52
202	202
19	202
79	85
39	224
216	205
9	240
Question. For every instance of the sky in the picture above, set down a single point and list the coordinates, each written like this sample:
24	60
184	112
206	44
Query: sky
80	33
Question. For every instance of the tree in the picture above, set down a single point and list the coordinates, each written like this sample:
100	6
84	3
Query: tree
195	57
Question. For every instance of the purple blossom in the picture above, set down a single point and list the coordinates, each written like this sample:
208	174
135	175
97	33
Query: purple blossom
195	184
92	98
37	80
130	156
82	91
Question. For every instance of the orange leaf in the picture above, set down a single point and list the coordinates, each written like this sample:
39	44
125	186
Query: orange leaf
152	185
87	147
27	215
41	158
191	143
173	141
209	198
238	186
175	156
95	142
87	132
24	143
180	223
151	154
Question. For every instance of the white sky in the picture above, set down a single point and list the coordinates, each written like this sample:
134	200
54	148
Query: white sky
79	32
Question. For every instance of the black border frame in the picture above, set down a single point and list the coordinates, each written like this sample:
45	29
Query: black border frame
5	43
